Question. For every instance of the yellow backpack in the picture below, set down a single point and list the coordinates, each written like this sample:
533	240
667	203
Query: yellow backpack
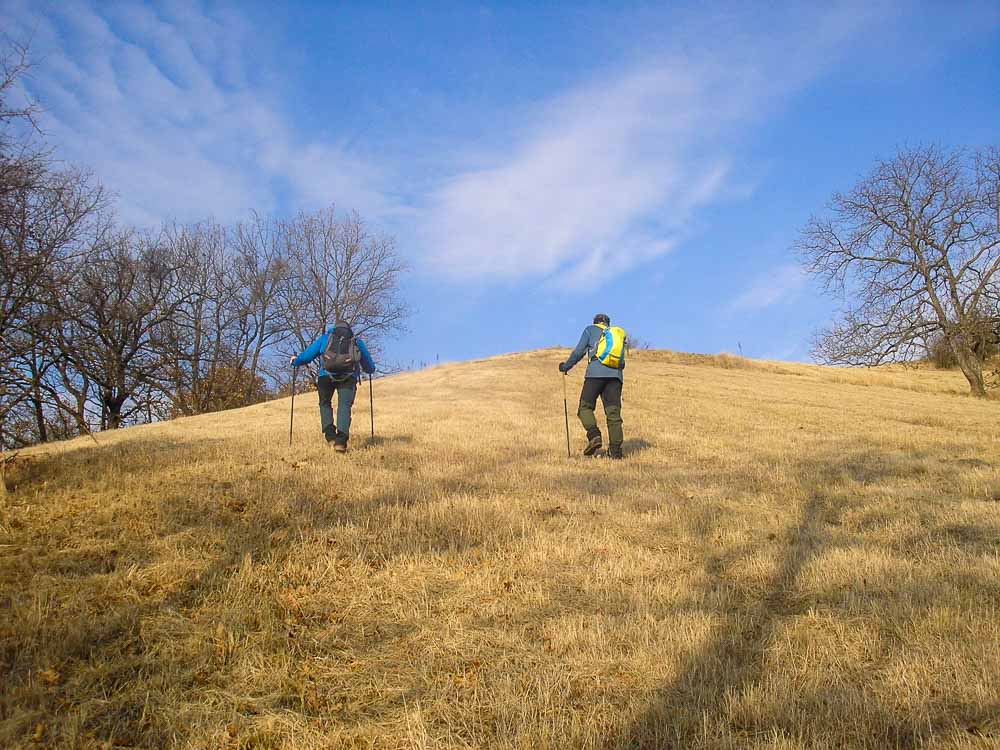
611	348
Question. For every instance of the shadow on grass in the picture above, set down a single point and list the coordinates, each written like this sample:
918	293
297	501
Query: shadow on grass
733	657
125	459
633	446
731	666
382	440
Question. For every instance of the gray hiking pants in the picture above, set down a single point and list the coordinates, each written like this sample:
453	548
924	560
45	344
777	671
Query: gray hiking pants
346	391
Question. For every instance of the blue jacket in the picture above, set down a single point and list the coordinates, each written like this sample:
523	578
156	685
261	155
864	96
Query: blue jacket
589	340
318	346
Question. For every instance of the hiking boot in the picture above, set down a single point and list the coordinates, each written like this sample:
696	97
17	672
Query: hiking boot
330	433
593	445
615	451
340	442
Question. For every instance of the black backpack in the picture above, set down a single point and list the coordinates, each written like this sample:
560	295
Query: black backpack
341	356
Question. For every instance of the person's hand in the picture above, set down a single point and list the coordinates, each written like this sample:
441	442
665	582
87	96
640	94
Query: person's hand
563	368
291	361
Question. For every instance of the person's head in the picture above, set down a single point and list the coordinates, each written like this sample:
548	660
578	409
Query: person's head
602	319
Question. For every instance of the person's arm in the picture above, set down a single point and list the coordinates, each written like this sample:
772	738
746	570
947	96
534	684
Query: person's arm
580	352
367	363
312	351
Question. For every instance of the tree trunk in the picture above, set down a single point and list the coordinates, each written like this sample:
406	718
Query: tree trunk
80	415
254	364
3	466
39	411
971	367
37	407
113	407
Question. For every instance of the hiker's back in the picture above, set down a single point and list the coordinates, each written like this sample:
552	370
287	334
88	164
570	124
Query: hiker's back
606	352
604	345
341	355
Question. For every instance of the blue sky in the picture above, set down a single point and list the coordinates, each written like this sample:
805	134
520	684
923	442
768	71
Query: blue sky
536	162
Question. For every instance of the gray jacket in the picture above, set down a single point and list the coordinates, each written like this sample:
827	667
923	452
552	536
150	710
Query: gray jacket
588	347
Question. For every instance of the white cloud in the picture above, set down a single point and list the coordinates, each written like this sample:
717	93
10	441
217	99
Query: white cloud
611	174
597	161
780	284
157	101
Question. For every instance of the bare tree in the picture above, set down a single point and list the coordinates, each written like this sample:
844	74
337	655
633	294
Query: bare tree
44	213
14	65
42	222
196	342
261	269
218	342
22	157
914	250
123	291
339	271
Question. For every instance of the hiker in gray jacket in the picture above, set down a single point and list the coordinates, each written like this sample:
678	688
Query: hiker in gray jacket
600	380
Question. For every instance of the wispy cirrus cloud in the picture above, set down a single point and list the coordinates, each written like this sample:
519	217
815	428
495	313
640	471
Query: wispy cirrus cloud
613	173
778	285
163	103
599	160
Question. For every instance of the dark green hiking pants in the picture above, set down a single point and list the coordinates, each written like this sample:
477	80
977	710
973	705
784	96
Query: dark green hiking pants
610	391
346	391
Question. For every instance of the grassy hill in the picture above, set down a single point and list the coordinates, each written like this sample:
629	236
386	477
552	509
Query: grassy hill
791	557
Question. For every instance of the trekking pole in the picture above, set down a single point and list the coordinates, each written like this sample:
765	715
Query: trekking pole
371	404
566	414
291	418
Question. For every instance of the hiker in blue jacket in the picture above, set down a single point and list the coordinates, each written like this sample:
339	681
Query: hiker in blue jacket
343	357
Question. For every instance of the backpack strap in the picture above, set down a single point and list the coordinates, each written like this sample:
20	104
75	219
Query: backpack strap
604	329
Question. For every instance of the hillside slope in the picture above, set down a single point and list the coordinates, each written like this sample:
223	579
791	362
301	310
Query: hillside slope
790	557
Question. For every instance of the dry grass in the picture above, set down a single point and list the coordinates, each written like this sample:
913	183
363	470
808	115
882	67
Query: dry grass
790	557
